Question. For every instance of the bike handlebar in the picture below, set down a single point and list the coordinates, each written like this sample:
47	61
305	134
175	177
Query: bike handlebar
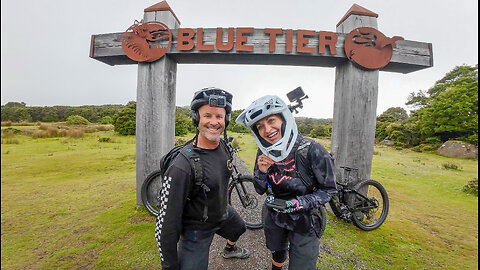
244	178
347	168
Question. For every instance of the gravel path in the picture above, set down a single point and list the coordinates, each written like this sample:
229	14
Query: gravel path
260	258
253	240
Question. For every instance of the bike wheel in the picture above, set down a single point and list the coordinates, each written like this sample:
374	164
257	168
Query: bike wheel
248	204
369	214
150	192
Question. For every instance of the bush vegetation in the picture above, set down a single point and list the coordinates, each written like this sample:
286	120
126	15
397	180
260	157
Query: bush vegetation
472	187
446	111
77	120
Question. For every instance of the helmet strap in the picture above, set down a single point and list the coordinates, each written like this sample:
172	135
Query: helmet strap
195	139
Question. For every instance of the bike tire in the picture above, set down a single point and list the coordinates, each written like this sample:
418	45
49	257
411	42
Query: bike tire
250	210
151	188
371	219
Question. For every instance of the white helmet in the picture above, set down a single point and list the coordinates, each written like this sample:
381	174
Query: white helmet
261	108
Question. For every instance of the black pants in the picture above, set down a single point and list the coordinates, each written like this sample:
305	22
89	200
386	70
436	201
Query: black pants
303	249
194	246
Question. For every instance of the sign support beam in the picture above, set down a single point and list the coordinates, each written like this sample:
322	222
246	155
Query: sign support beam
355	106
156	92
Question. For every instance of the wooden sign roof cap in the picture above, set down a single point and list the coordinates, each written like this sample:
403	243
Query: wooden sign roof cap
162	6
358	10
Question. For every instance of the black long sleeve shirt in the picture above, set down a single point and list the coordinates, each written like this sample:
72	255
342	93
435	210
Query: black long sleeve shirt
182	203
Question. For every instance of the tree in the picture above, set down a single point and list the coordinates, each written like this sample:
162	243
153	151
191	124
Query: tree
124	120
318	131
449	109
233	126
459	75
391	115
15	104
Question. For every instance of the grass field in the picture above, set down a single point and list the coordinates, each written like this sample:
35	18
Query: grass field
69	203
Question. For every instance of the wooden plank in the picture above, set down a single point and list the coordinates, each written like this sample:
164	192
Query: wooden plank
409	56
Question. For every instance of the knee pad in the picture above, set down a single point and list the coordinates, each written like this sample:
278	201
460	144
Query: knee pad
279	256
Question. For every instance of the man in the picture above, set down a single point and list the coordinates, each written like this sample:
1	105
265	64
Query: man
296	170
192	213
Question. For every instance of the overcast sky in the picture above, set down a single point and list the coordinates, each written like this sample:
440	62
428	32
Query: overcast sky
45	49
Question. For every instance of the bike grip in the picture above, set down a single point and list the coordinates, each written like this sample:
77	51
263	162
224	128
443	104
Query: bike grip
277	204
245	178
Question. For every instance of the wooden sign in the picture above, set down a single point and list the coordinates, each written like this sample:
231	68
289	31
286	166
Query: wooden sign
357	50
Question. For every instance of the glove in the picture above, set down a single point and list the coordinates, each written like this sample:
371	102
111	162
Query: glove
275	204
270	198
294	205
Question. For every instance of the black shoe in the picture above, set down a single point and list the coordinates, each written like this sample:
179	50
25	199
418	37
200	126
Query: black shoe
238	252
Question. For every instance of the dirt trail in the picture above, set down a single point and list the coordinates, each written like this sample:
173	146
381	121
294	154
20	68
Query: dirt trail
260	258
253	240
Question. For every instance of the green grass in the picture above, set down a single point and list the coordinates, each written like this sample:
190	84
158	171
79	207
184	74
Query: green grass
70	203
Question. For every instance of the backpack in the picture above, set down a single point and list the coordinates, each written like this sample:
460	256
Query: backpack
301	160
303	168
188	151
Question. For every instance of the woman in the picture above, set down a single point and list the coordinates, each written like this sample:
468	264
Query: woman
299	176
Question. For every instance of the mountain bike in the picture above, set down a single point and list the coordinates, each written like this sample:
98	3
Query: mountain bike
246	201
365	204
241	194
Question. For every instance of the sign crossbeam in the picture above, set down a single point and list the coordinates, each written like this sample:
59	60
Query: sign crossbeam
408	56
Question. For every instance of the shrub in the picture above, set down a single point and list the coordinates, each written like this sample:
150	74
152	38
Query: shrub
106	120
75	133
6	123
124	121
62	133
45	132
425	148
452	166
433	140
10	132
90	129
235	143
77	120
473	139
180	141
104	128
107	140
40	134
181	128
471	187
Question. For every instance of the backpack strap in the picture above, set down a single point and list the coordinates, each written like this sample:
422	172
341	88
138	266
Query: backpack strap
199	180
301	160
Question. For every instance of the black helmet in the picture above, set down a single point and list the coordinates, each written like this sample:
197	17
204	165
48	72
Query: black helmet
214	97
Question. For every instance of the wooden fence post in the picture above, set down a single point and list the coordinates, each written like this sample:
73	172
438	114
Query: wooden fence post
156	90
355	104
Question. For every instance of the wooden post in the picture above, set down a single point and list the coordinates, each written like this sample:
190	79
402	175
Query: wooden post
156	88
355	104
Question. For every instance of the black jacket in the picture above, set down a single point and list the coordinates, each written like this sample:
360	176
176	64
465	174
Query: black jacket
288	187
182	203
